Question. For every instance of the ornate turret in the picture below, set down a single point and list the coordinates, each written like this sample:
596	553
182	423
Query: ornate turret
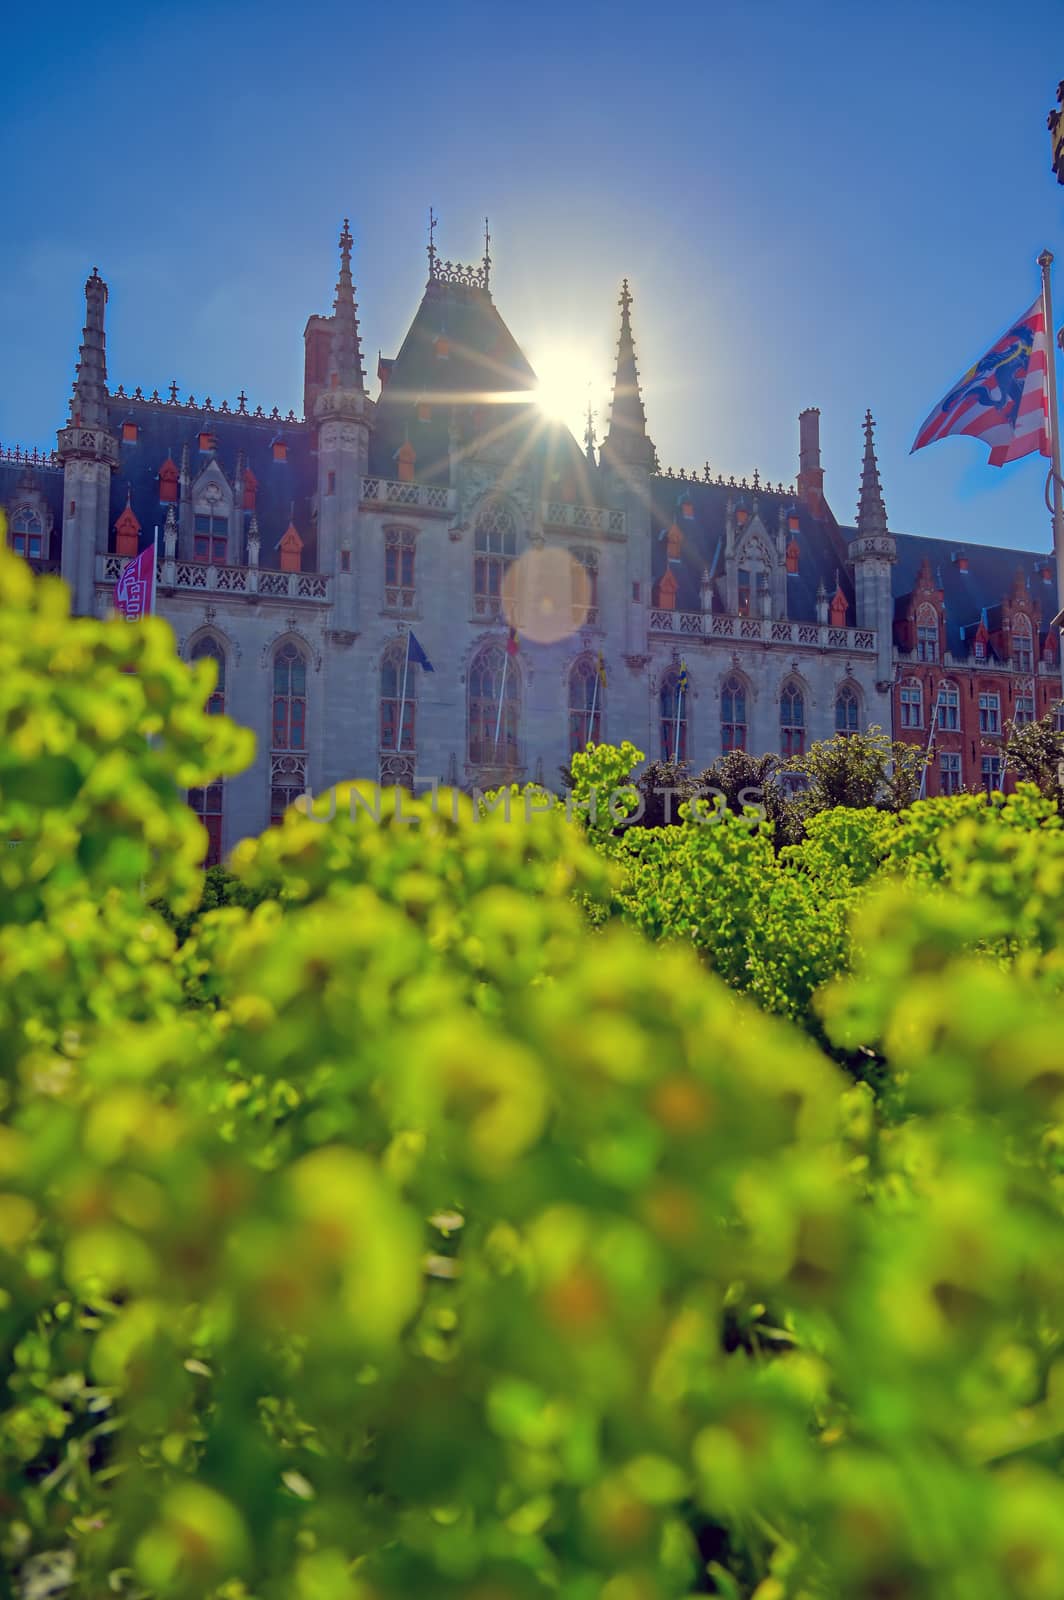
89	453
344	416
872	553
627	442
345	353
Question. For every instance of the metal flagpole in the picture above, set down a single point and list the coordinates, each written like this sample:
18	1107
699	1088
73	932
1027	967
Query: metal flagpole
676	728
591	713
154	570
502	696
1056	506
930	742
402	699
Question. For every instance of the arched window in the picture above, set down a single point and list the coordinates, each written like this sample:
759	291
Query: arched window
792	721
733	715
398	701
585	588
912	704
494	707
672	699
847	710
1022	647
208	803
400	549
289	698
948	702
27	533
587	701
494	544
211	650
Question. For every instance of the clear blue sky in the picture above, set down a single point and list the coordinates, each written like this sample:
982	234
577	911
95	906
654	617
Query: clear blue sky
816	203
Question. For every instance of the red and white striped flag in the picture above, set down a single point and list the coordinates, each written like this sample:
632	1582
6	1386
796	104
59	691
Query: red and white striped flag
135	589
1004	398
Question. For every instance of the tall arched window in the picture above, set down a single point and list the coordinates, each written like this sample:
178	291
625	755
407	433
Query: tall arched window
792	721
208	803
585	588
27	533
672	701
494	708
1022	647
398	701
847	710
289	698
587	702
494	545
733	715
211	650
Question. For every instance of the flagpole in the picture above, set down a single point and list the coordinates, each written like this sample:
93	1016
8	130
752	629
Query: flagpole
591	715
930	742
154	569
676	728
402	699
1045	261
502	696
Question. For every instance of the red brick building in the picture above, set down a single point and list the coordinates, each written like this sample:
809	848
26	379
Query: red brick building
974	652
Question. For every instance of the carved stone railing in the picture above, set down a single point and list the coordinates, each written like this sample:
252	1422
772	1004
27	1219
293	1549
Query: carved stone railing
204	577
761	629
432	498
586	519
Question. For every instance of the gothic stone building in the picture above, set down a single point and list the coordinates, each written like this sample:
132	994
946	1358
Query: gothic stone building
299	552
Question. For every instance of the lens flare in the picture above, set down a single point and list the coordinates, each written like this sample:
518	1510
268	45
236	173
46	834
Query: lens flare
546	594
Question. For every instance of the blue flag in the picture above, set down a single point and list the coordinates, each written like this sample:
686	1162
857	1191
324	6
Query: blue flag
415	654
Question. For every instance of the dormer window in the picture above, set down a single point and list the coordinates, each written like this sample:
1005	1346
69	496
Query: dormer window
442	347
793	554
979	650
27	534
210	540
424	411
207	441
280	450
129	433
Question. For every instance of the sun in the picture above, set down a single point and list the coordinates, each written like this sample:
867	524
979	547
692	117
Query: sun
562	388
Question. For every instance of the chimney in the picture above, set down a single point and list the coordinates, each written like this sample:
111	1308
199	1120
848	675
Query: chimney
810	473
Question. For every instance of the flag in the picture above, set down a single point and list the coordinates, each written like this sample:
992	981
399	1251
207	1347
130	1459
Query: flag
135	589
683	682
415	654
512	643
1004	398
601	670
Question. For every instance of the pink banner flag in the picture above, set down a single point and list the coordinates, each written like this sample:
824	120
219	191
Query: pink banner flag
135	589
1004	398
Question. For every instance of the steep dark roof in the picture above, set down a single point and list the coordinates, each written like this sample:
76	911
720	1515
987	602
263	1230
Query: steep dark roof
284	487
988	581
821	544
483	361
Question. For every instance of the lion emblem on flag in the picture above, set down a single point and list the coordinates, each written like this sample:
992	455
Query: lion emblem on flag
997	380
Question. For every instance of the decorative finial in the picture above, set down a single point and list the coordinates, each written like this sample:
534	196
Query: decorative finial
487	255
626	299
432	242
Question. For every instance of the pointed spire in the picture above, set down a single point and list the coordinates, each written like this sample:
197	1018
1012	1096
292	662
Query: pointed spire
345	355
871	512
89	404
589	437
626	436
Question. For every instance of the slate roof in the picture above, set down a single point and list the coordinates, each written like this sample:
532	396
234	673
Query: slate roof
988	581
479	387
821	543
284	487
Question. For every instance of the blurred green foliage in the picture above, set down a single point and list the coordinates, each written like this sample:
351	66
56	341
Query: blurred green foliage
441	1211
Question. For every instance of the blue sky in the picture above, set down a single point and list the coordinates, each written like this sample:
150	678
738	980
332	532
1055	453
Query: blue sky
816	204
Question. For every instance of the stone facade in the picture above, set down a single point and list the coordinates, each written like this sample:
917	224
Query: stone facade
304	553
